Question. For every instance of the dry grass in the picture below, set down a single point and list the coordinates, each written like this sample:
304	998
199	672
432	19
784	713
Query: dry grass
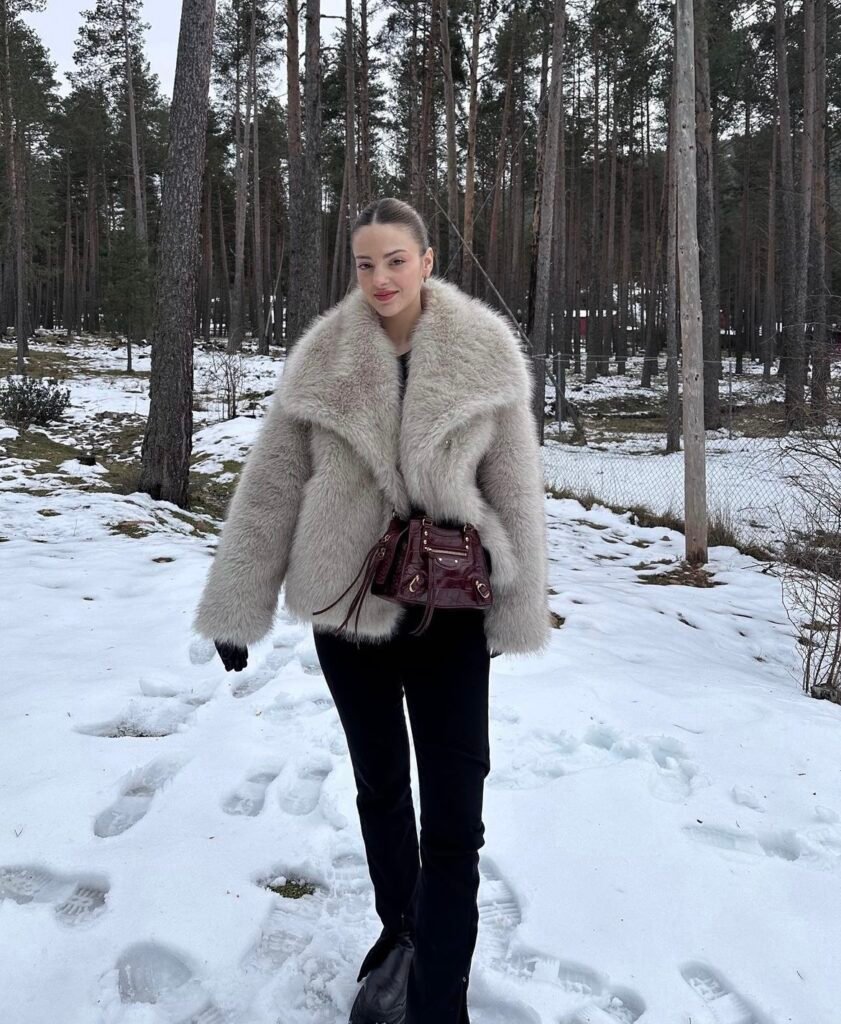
683	575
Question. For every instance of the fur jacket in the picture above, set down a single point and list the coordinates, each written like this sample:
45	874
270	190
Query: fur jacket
335	454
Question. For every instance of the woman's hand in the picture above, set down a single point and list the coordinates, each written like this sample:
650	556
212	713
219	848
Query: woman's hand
233	657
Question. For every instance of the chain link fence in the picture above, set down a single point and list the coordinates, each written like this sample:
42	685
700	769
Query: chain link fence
615	452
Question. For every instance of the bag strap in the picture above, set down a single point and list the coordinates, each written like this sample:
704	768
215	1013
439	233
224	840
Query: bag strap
431	590
365	565
369	569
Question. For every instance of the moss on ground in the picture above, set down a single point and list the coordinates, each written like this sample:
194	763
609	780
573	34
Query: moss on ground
134	528
292	890
39	362
38	447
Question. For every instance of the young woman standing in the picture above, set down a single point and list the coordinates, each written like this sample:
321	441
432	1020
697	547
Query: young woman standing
407	396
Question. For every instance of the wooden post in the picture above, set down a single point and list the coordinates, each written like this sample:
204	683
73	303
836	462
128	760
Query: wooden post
695	479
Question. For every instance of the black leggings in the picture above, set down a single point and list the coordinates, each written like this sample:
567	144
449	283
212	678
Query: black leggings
444	674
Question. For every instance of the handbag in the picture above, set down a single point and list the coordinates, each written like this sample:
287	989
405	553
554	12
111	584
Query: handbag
419	562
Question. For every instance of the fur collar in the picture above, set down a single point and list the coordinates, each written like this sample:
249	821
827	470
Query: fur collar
343	374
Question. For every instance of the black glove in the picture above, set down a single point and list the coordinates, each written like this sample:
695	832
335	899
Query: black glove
233	657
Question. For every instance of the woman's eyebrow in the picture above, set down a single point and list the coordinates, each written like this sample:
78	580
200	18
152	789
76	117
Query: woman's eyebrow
393	251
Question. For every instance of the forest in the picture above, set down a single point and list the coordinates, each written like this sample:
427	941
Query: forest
444	104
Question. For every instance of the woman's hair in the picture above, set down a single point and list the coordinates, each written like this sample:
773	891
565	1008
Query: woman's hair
393	211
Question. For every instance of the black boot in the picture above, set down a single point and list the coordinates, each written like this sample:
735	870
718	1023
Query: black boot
382	997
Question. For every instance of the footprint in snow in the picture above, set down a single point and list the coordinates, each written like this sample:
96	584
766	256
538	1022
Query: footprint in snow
141	719
533	758
148	972
292	923
287	930
487	1007
725	1004
249	797
75	900
286	706
308	658
819	848
677	777
195	697
349	873
136	796
500	912
602	1003
300	795
277	660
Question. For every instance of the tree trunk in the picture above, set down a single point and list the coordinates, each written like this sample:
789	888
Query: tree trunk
139	192
820	348
796	377
452	152
310	294
426	134
695	488
493	257
672	372
792	355
467	256
168	439
707	235
17	196
547	216
742	301
350	121
769	322
338	246
242	147
364	196
593	291
257	270
294	134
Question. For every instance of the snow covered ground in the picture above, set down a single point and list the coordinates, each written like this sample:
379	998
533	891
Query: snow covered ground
663	813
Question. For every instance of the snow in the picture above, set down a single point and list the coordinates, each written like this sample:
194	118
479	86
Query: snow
663	812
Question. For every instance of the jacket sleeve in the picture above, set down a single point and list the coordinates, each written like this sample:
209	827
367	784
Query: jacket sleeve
240	596
511	478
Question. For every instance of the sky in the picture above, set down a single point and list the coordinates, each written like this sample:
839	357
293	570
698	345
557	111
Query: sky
59	24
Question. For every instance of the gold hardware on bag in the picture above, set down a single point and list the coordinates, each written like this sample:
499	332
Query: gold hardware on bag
482	588
415	579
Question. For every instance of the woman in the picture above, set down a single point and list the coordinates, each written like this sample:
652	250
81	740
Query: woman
353	433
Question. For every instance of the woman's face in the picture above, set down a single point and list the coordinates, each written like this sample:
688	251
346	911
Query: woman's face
389	268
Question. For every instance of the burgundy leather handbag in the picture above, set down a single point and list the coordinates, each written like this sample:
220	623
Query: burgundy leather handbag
417	562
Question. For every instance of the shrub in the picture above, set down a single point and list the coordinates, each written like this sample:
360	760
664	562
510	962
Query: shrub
25	400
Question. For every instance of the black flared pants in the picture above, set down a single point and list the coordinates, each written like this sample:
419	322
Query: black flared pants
430	888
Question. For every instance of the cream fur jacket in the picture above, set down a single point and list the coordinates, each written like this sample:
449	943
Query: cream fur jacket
334	456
